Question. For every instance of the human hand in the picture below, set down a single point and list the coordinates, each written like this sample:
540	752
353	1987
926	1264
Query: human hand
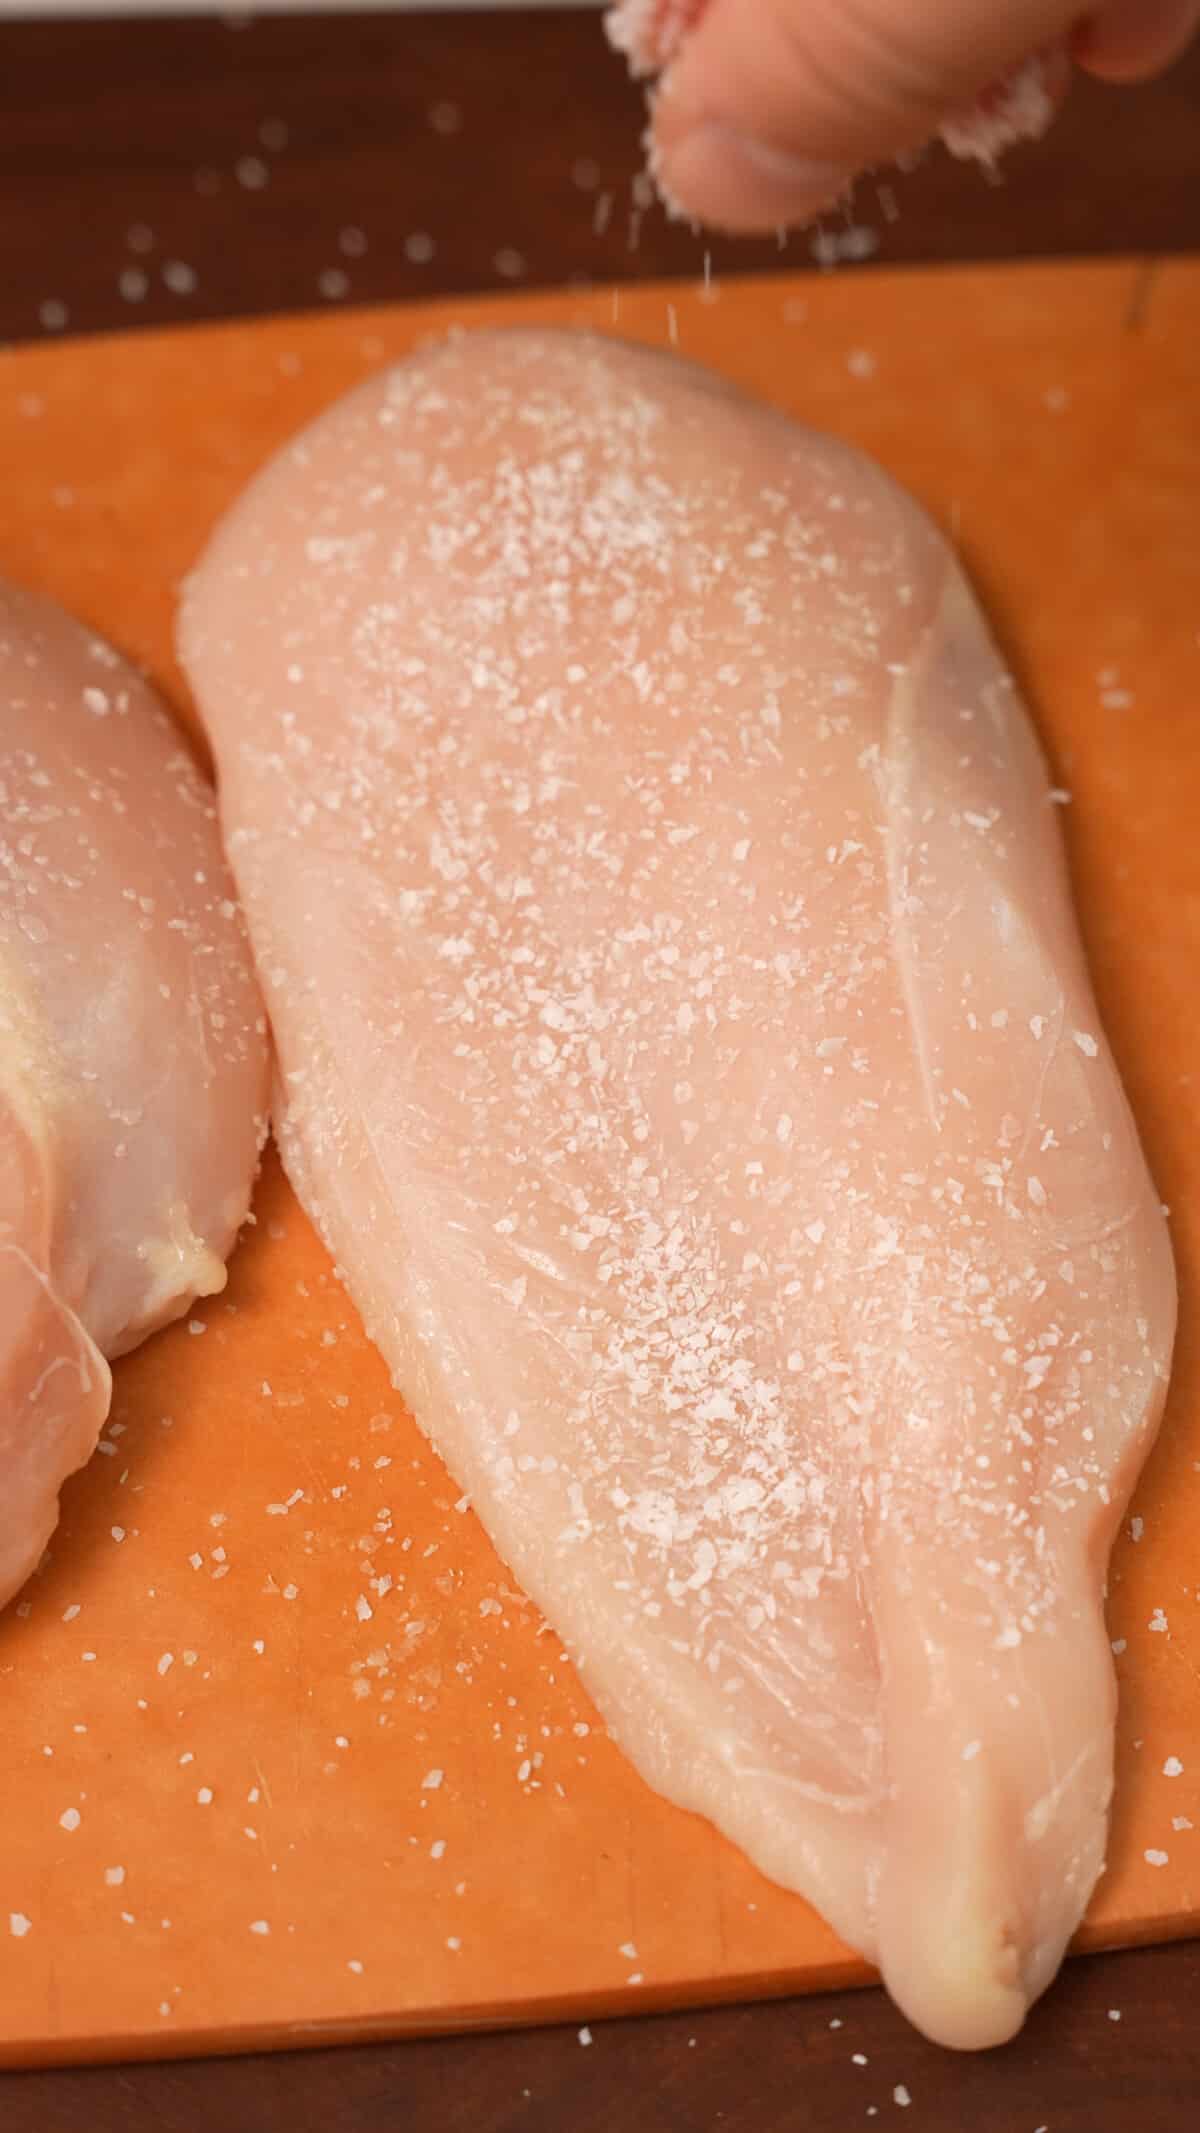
768	109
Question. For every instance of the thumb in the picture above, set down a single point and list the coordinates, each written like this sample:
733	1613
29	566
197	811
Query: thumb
772	106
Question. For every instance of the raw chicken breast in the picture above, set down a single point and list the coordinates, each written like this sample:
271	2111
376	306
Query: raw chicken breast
133	1056
687	1055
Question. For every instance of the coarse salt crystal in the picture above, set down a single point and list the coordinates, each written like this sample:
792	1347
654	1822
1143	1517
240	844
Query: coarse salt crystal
259	1925
69	1818
585	2035
19	1925
432	1780
1153	1857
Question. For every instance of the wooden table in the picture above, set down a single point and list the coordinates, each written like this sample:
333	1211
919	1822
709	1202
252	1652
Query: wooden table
154	173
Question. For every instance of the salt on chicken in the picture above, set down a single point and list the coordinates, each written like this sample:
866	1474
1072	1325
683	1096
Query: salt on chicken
133	1053
687	1054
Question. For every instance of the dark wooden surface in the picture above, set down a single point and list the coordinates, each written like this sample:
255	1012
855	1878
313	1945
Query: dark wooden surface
158	172
415	155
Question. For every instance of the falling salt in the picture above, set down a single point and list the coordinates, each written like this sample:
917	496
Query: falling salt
419	248
251	173
133	284
509	263
861	363
830	247
53	314
180	279
901	2096
585	2035
333	283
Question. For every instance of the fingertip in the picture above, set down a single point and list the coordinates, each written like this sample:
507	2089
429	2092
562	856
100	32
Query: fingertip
711	173
1133	40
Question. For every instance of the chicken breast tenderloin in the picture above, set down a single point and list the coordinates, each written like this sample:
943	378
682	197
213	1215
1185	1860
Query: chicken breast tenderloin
133	1051
687	1054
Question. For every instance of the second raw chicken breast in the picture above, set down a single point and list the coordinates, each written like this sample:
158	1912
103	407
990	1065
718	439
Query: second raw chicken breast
687	1054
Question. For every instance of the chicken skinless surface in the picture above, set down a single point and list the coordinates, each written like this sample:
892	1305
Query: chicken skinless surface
687	1054
134	1076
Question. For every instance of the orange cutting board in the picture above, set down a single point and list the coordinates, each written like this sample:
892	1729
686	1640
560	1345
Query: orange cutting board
284	1756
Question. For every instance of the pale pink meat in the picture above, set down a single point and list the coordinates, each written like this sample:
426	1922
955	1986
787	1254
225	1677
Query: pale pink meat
687	1054
133	1052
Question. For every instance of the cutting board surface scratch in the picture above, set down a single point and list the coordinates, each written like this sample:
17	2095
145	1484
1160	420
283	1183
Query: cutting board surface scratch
334	1776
